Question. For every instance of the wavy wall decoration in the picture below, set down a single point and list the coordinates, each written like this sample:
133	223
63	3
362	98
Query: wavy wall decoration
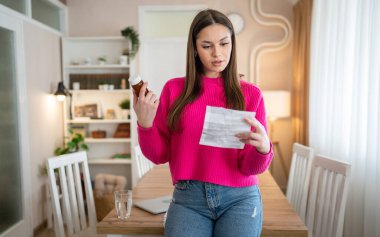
257	52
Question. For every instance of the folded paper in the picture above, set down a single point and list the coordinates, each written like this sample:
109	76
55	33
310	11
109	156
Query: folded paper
221	125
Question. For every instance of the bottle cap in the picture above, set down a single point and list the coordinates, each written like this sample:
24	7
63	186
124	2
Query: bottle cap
134	80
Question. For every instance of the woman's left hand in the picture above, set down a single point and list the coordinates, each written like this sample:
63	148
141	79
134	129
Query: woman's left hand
257	138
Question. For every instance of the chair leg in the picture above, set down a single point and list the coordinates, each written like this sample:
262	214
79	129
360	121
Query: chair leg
49	212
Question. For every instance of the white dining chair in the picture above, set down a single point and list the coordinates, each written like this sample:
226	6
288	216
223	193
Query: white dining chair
327	197
69	167
49	210
143	164
299	175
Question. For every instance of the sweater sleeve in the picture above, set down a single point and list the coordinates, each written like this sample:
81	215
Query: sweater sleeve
155	141
252	162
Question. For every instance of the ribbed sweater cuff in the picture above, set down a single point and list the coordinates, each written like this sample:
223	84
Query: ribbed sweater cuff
142	129
144	134
264	156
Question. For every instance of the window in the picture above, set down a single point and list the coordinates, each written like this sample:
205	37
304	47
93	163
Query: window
17	5
47	13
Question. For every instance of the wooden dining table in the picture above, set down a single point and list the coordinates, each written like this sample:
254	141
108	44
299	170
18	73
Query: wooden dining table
279	218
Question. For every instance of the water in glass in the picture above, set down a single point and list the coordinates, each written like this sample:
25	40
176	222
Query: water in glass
123	203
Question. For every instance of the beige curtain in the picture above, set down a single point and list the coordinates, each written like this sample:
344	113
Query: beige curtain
301	54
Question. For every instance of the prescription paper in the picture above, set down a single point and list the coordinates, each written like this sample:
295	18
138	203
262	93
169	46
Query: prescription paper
221	125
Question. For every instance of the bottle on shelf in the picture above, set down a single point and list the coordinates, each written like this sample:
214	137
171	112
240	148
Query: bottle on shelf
123	84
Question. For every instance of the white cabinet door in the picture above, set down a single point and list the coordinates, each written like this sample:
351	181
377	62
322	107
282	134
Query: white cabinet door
14	158
161	60
163	42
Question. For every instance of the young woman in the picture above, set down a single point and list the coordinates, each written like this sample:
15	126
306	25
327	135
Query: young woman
216	192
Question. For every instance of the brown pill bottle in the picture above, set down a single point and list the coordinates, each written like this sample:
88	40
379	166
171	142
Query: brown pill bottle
136	84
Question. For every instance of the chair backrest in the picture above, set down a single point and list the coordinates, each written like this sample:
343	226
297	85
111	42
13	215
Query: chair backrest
108	183
327	197
69	168
299	175
143	164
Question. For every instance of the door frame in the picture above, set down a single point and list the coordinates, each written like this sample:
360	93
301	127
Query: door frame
14	24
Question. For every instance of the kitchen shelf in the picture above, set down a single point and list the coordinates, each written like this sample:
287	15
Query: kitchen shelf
106	66
109	161
107	140
76	51
97	121
94	38
99	91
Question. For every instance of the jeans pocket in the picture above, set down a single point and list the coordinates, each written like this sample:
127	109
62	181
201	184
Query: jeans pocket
183	185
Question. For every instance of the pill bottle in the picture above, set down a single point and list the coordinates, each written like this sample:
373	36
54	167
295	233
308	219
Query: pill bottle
136	84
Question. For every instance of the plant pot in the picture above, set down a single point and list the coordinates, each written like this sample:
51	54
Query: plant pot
123	59
125	113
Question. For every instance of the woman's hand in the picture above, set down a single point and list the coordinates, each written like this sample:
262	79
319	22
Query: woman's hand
145	107
258	138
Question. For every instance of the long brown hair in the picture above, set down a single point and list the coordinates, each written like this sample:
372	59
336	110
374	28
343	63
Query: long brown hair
194	68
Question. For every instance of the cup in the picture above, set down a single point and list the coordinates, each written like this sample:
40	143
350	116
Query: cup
123	203
76	86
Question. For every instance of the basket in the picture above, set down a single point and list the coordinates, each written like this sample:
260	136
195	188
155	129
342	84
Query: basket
98	134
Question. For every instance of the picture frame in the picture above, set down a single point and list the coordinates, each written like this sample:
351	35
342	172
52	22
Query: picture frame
90	110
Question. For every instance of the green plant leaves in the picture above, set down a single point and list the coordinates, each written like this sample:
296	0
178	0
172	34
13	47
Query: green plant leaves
84	146
75	144
133	36
125	104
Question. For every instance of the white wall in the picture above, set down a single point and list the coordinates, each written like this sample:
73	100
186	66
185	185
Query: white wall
108	18
99	17
45	113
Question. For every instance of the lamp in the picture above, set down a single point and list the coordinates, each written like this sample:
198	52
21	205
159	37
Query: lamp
61	92
277	105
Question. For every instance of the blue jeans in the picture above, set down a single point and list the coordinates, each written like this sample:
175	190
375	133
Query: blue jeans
201	209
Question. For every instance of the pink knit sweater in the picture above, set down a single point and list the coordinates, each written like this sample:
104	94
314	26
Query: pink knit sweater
188	160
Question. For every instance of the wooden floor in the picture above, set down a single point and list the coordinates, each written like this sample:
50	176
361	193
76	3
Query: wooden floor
45	232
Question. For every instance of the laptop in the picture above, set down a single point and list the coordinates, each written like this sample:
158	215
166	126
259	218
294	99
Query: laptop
155	205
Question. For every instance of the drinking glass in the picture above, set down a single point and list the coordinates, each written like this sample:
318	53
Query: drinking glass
123	203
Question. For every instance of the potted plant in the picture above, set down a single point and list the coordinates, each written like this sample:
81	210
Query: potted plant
130	34
125	108
75	144
102	86
102	60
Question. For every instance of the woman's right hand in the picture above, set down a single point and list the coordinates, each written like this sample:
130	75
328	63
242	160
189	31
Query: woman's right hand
145	107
